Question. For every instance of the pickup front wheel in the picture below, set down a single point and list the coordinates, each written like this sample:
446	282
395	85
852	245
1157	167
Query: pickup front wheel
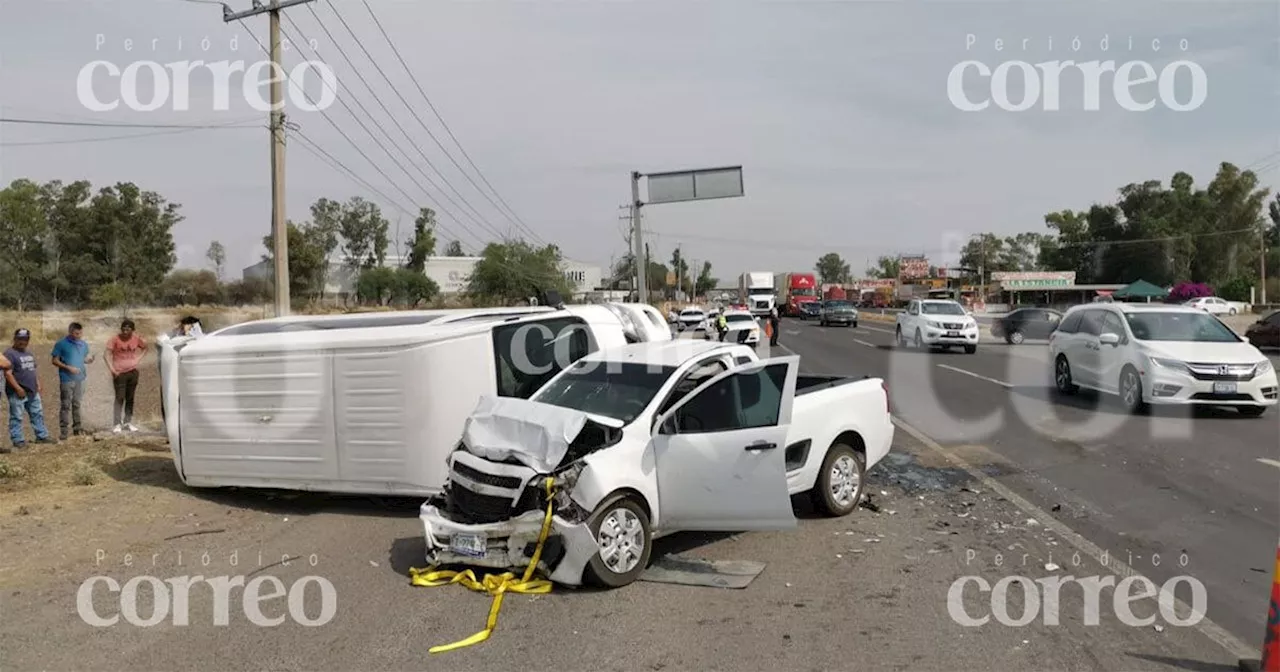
621	529
841	481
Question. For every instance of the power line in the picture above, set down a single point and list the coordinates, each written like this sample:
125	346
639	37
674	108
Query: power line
104	124
375	139
444	125
478	220
352	142
316	150
130	136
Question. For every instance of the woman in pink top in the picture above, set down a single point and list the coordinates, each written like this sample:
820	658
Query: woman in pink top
124	352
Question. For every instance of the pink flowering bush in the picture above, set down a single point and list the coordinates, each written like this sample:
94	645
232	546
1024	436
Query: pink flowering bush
1185	291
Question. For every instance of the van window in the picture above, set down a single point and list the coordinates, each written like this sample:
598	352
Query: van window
701	373
1070	323
528	354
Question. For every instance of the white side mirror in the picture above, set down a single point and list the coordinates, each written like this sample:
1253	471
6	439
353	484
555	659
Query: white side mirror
1109	339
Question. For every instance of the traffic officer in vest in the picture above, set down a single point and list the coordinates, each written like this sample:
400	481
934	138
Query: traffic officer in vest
722	325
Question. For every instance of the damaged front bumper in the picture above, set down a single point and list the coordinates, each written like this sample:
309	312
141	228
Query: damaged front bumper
510	543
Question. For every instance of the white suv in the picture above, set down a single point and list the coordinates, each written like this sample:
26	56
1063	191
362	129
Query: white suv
937	324
1160	354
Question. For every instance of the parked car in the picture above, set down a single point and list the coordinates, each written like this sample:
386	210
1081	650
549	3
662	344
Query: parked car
692	318
1025	323
1216	306
650	439
936	323
1265	333
743	328
838	312
1154	354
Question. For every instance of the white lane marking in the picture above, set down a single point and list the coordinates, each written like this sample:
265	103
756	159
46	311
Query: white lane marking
1274	463
970	373
862	342
1208	628
883	331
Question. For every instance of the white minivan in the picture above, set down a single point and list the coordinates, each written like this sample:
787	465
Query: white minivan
1160	354
368	403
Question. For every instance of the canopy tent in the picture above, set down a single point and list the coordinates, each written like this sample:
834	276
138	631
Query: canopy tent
1140	290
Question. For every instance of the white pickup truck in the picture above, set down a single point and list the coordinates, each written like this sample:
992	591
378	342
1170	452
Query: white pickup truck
648	439
934	323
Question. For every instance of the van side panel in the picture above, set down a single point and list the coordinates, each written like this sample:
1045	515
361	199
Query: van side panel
257	416
373	430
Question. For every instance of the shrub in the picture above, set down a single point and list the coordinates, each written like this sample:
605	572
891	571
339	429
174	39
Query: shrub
1185	291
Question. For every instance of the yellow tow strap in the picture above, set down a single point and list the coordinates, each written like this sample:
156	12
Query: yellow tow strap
496	585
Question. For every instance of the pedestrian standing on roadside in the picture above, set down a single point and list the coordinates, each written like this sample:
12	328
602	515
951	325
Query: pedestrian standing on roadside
70	355
22	387
124	351
774	323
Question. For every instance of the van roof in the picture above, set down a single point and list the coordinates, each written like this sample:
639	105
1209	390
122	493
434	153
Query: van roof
663	353
387	329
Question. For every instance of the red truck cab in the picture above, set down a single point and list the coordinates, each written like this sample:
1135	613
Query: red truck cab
797	289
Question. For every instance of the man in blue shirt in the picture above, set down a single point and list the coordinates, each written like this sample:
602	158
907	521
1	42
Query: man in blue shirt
70	355
22	387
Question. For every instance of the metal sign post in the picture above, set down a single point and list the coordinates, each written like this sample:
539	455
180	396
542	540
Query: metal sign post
676	187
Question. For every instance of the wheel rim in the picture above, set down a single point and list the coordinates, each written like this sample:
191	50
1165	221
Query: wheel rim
844	481
621	540
1016	337
1064	375
1129	389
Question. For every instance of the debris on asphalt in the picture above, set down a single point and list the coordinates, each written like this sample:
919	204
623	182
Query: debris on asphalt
1032	522
1051	567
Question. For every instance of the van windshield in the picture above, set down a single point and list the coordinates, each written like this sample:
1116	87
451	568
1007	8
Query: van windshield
613	389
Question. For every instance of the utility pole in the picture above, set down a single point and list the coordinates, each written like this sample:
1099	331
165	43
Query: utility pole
279	226
1262	268
637	241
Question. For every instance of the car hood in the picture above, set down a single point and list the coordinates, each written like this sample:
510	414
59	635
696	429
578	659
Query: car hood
1209	353
533	433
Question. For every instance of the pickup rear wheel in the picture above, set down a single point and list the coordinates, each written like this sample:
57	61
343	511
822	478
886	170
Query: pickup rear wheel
841	481
621	529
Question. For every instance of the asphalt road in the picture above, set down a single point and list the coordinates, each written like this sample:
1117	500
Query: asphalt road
1205	485
869	591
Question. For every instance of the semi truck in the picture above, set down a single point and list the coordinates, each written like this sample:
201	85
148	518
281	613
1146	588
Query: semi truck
755	289
795	290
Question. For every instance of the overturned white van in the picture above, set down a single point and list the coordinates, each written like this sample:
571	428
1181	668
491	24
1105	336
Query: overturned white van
369	403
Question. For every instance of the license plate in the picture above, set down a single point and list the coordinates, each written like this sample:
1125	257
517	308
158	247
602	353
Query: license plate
469	544
953	334
1224	388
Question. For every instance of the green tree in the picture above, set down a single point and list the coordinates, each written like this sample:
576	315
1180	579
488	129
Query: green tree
191	287
25	230
423	243
705	282
885	267
515	270
217	255
832	268
363	230
454	249
308	264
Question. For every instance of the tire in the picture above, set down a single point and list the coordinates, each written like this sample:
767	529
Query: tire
1130	391
1015	338
631	516
1251	411
970	349
843	470
1062	380
902	343
1231	312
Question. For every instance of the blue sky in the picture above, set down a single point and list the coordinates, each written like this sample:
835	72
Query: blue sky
838	112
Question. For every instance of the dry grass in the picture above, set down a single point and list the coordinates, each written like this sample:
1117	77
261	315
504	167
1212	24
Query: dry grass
85	461
48	326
